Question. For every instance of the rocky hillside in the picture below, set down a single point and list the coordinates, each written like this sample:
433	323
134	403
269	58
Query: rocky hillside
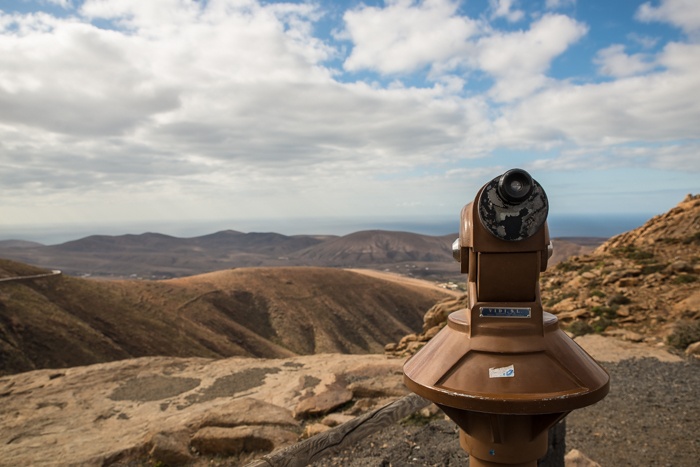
642	285
61	321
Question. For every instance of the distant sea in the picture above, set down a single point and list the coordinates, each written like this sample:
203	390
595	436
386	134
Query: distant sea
582	225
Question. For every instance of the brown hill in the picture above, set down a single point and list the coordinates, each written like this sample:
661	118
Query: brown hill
642	285
379	246
63	321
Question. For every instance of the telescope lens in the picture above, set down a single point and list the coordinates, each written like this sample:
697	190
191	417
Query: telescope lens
515	186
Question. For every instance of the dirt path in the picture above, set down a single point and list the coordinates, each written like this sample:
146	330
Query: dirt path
403	280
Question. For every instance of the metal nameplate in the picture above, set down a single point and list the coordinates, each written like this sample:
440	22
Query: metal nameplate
502	312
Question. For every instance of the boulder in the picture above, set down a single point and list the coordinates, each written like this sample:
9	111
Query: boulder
693	350
222	441
248	411
325	397
576	458
439	312
170	448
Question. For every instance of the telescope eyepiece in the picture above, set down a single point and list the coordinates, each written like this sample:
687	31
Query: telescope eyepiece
513	206
515	186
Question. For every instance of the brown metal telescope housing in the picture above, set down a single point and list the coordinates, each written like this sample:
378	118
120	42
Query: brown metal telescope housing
502	369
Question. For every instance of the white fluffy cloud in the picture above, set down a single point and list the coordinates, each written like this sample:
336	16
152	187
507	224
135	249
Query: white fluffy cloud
650	108
682	13
504	9
518	60
613	61
405	36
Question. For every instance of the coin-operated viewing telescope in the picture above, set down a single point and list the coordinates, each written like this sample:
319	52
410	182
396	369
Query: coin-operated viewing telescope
501	368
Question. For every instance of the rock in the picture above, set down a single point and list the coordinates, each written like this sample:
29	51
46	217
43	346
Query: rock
430	333
438	314
430	411
325	398
71	417
408	338
247	411
693	349
379	386
314	429
241	439
680	266
615	276
576	458
690	305
390	347
171	448
625	335
568	304
336	419
628	282
414	347
581	313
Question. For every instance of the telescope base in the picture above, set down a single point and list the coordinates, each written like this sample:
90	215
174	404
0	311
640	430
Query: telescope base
512	456
503	439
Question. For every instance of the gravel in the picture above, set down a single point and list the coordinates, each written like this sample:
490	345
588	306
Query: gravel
651	417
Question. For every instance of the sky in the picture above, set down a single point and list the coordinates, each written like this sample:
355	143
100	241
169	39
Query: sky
186	117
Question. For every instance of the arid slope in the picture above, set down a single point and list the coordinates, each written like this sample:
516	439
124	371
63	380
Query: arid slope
63	321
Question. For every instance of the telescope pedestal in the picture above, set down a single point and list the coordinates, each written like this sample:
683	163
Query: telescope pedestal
505	392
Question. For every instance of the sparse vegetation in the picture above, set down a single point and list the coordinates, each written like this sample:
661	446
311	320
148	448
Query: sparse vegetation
693	239
652	268
597	293
684	333
608	312
685	278
633	253
601	324
619	299
580	328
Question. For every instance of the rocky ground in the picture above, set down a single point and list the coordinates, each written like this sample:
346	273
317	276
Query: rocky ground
651	417
171	411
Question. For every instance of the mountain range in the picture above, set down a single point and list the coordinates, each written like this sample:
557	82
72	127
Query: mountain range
159	256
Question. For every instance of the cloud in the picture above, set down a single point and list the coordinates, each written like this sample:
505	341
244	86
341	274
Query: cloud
648	109
406	36
518	60
504	9
238	108
65	4
235	98
684	14
613	61
556	4
70	77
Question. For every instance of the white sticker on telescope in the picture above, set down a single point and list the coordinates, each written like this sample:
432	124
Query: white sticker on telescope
505	372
